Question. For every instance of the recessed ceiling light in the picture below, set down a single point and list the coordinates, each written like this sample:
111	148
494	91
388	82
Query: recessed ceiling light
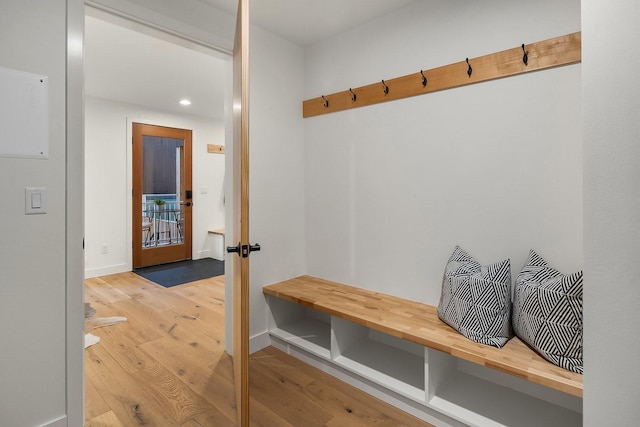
185	102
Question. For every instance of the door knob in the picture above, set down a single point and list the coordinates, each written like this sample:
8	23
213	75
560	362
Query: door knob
243	251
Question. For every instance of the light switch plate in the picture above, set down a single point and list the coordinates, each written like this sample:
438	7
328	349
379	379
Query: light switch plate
35	200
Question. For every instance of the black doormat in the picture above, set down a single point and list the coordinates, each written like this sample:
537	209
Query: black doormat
177	273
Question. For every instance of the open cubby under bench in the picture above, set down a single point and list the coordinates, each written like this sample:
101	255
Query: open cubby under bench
400	351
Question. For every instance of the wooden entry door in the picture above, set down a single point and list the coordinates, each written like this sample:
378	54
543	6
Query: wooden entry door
161	195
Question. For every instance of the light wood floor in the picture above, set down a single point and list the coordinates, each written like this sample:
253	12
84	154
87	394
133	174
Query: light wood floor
166	366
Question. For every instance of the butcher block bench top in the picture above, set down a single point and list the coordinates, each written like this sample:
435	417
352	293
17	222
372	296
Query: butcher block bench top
419	323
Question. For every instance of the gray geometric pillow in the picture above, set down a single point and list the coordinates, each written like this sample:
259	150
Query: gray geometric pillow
547	312
476	299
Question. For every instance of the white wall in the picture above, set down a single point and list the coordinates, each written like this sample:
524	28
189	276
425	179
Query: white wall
277	149
276	170
611	127
494	167
34	254
108	181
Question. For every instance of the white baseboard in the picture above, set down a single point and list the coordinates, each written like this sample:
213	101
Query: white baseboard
259	341
256	343
60	422
205	253
105	271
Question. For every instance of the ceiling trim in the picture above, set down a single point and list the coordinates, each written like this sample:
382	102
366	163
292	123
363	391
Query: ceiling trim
127	20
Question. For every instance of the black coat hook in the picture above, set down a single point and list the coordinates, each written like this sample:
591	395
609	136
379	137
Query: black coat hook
386	88
424	79
525	57
326	102
353	95
469	70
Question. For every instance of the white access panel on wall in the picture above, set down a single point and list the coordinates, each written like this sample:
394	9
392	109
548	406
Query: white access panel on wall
24	114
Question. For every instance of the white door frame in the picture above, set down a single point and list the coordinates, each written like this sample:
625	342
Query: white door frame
75	195
74	182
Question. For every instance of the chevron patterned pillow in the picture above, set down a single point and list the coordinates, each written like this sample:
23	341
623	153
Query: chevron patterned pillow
547	312
476	299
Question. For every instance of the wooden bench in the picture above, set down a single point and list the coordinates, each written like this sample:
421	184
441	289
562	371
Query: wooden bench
419	323
403	347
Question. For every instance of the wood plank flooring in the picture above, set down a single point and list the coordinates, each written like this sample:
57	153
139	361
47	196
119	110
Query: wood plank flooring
166	366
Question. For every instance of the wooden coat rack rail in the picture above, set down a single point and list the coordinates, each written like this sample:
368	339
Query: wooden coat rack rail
563	50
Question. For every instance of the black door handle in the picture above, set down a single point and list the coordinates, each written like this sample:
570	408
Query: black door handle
186	204
243	250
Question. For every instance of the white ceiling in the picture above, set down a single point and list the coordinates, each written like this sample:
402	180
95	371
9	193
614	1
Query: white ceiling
126	65
308	21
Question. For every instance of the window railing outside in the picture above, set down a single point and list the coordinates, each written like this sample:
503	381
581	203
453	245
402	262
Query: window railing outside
162	220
